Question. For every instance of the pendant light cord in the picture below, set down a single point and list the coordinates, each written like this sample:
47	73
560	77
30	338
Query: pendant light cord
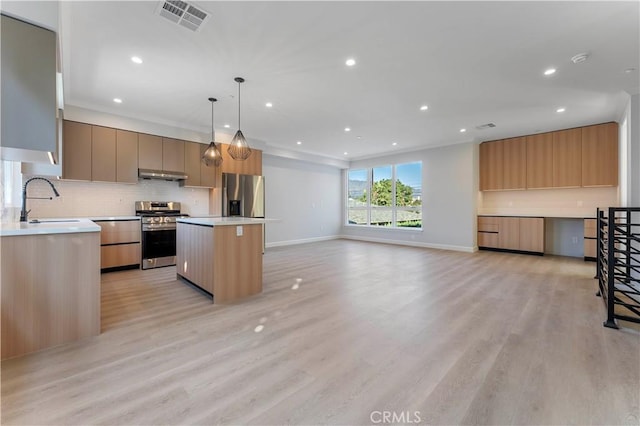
213	132
239	105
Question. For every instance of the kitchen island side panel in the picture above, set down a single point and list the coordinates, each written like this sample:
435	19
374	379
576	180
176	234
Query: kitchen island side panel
50	290
237	262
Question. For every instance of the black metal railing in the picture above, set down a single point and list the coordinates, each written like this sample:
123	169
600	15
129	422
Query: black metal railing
618	263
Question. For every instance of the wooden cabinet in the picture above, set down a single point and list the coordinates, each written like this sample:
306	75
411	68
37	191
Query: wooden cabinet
600	155
209	176
194	254
149	152
172	155
103	154
572	158
509	233
540	161
590	239
491	159
250	166
76	162
199	174
514	163
531	234
192	161
520	234
567	158
119	244
126	156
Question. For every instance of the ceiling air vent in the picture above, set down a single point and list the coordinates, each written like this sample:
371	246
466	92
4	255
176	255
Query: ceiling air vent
183	14
485	126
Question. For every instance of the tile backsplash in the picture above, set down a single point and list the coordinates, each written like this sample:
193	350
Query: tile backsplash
93	199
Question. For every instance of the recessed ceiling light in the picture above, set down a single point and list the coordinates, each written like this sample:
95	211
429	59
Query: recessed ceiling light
424	108
268	104
629	70
299	143
561	109
463	130
580	57
347	129
136	59
226	126
550	71
117	100
350	62
346	153
358	137
395	143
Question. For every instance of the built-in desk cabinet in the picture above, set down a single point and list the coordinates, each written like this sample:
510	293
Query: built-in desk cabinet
590	239
119	244
518	234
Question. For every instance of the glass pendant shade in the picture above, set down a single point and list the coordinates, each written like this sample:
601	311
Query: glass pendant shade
239	148
212	155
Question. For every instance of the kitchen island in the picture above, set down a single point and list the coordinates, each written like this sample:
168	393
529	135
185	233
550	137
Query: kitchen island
50	283
221	255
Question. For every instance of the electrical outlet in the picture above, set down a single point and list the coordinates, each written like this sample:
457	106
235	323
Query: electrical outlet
574	240
239	231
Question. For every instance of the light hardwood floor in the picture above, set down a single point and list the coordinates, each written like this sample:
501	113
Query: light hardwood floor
346	328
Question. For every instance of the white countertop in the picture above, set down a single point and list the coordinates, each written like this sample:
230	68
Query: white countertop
224	221
103	218
55	226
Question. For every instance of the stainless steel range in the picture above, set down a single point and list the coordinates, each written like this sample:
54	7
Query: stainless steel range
158	232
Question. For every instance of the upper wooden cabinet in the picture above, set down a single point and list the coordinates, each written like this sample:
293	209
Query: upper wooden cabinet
572	158
491	172
209	176
172	155
250	166
600	155
149	152
567	158
103	154
126	156
200	175
540	161
76	151
514	163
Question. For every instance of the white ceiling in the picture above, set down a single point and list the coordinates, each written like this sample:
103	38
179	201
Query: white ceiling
470	62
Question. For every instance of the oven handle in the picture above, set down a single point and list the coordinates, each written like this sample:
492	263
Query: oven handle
173	228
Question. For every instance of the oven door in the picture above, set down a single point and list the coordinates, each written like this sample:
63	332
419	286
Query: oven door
158	248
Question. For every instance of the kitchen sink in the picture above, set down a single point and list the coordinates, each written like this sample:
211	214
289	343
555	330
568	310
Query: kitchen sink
53	221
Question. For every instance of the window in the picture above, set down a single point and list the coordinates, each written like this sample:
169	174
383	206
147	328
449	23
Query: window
385	196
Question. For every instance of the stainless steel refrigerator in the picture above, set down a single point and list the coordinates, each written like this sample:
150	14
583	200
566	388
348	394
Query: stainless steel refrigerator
242	195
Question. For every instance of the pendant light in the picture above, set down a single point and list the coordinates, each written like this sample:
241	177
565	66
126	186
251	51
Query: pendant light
239	148
212	155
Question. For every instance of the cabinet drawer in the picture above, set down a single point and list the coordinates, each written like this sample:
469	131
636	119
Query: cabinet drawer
119	231
119	255
590	228
488	223
488	239
590	247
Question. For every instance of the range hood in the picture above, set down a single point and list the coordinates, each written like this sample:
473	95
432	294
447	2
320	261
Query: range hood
161	175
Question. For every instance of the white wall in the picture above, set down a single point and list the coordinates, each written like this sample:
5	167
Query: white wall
41	13
96	199
633	152
449	197
305	197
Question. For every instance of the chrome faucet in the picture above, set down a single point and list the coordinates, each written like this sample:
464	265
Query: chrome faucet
24	212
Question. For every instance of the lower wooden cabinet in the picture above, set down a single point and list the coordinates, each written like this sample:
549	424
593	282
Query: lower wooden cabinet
590	239
520	234
119	244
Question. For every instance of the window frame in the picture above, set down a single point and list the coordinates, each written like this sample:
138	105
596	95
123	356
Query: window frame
394	208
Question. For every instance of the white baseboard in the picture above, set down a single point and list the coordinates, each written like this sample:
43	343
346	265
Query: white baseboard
302	241
412	243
